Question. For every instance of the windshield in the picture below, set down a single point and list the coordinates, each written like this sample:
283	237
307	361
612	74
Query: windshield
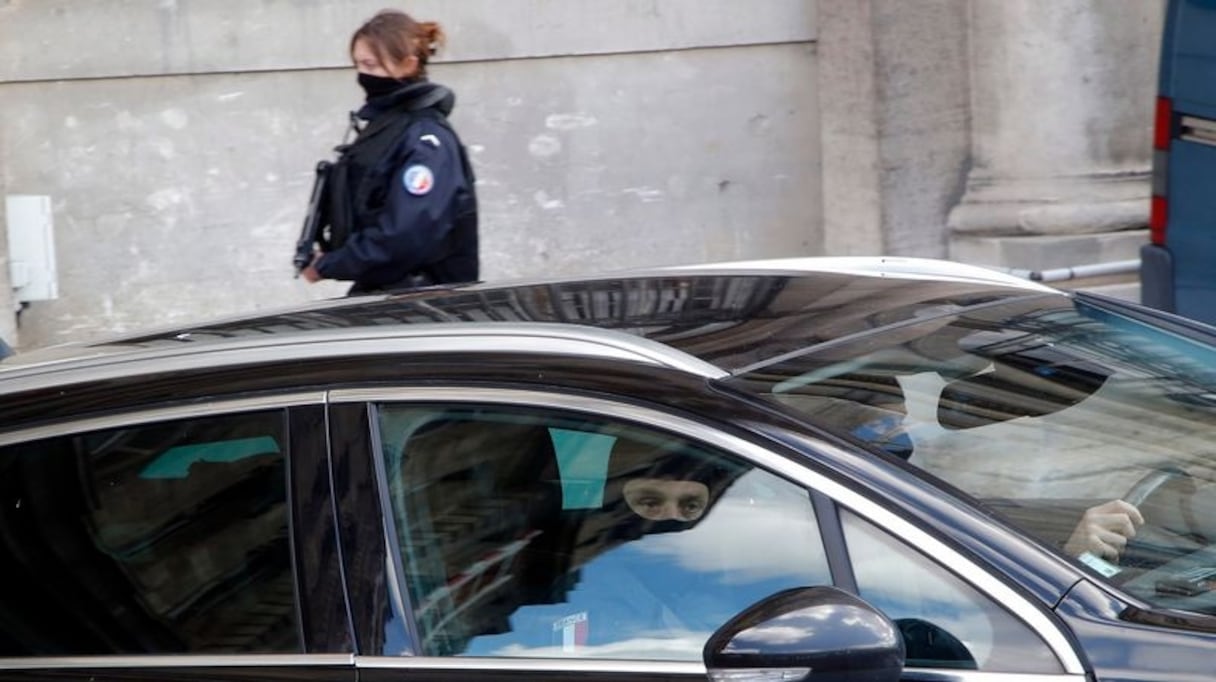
1090	430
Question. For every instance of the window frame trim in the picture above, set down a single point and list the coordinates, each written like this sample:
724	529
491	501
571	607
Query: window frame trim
175	661
397	588
219	407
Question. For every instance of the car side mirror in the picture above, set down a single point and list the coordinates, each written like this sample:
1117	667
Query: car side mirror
807	633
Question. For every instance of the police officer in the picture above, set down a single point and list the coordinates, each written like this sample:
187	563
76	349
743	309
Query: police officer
401	205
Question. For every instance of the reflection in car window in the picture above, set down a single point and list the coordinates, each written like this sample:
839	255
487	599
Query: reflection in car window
944	621
535	534
1090	430
159	538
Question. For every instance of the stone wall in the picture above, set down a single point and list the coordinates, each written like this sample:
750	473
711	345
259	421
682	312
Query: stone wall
177	140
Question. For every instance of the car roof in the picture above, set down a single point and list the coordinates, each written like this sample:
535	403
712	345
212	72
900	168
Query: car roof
711	319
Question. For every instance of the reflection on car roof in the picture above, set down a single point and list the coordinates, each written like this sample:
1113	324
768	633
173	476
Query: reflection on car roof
731	315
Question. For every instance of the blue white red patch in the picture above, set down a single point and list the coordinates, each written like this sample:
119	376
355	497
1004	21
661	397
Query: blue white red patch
418	180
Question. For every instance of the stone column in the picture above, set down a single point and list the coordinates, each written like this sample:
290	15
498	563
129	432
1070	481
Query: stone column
893	123
8	307
849	142
1062	96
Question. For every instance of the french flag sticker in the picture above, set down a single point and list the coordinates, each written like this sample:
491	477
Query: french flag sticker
573	631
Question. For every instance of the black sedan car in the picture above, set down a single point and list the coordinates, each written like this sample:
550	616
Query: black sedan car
823	469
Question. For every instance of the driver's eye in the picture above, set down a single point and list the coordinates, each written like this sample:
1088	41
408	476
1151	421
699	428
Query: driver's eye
691	506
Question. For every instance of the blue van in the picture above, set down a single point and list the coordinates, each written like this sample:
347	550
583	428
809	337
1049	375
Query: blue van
1178	266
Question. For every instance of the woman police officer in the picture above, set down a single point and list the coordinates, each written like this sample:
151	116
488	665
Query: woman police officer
401	206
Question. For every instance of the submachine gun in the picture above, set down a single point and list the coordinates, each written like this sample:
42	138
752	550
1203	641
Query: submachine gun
314	219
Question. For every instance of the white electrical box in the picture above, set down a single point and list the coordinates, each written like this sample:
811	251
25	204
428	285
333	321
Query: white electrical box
31	248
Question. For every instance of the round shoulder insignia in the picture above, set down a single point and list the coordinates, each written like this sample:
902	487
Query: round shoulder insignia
418	180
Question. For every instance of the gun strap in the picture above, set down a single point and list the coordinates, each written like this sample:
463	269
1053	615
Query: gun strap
425	101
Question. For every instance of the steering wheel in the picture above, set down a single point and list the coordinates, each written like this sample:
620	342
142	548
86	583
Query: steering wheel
1151	482
1155	544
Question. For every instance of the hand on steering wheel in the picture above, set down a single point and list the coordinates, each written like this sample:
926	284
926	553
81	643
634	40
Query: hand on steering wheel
1104	530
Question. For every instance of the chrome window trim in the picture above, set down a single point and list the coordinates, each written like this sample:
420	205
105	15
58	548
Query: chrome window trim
179	661
949	675
863	506
214	408
653	667
421	663
530	665
550	339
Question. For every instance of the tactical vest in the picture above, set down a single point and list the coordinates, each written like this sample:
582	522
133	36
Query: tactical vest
360	178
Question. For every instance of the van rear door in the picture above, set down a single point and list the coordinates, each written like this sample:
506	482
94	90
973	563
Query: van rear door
1178	271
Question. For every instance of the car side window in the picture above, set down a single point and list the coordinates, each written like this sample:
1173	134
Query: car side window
945	622
170	537
540	533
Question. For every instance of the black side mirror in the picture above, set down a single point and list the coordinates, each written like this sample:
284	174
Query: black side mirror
807	633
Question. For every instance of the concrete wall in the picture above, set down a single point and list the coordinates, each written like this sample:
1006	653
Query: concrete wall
894	93
177	139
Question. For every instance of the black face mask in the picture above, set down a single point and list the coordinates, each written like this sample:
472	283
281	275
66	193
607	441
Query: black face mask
667	526
378	86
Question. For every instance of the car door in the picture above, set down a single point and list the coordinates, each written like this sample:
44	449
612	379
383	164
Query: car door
163	543
555	536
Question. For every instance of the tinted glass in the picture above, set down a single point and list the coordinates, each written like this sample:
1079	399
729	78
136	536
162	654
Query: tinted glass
945	622
528	533
158	538
1086	427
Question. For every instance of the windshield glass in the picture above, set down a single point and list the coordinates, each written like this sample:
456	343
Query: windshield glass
1090	430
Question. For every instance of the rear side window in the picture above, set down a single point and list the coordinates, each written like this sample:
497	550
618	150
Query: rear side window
160	538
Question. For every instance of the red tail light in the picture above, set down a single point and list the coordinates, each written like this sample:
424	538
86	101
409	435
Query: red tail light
1156	220
1163	123
1163	129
